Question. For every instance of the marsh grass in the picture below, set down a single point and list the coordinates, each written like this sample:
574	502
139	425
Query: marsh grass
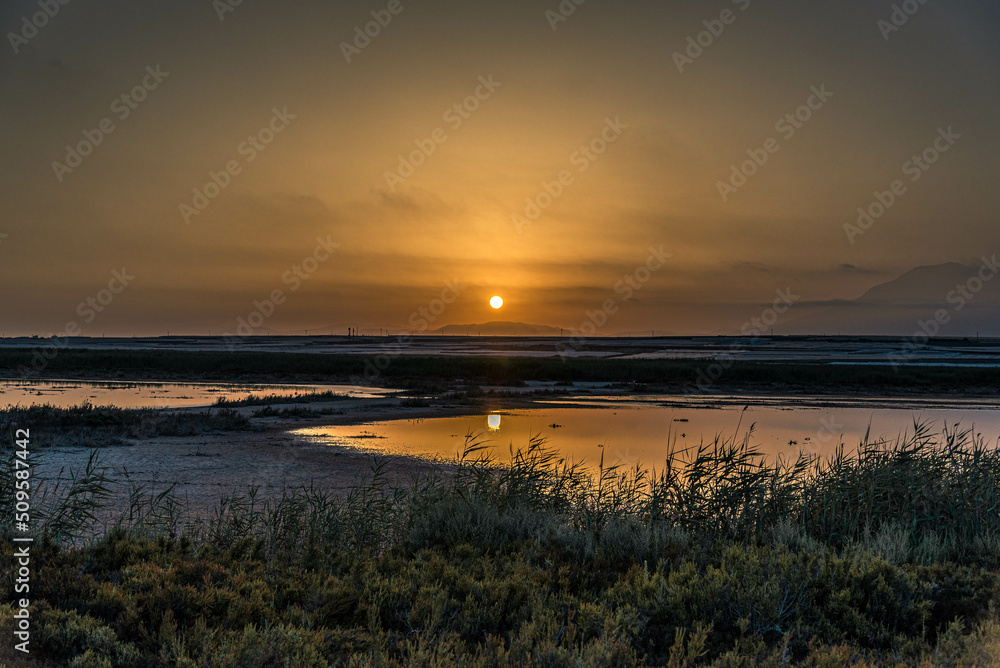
108	425
272	399
293	412
924	497
720	557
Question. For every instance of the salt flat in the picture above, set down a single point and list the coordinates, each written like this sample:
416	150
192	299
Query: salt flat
902	351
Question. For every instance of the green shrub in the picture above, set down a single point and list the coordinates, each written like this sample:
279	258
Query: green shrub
721	559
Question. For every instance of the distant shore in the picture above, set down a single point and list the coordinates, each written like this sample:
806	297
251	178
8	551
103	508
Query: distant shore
208	462
792	365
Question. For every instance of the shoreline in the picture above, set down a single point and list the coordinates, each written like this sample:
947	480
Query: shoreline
208	465
712	371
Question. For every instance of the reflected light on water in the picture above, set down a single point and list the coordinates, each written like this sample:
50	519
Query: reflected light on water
648	433
142	394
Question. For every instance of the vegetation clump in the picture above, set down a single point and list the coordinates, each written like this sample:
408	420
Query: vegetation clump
273	399
108	425
889	555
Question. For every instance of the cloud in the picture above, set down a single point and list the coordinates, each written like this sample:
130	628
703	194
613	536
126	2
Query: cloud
754	266
848	267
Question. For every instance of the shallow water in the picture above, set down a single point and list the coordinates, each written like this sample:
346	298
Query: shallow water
630	431
65	394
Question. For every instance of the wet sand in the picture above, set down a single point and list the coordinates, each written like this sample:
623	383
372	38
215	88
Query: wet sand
207	466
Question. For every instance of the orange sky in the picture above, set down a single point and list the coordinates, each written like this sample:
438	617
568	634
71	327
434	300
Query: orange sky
660	141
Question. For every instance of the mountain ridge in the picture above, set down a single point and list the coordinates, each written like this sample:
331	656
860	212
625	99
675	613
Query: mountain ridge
498	328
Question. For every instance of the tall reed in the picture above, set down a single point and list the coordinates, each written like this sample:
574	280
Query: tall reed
933	495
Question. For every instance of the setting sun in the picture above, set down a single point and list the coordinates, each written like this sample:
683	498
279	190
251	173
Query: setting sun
284	250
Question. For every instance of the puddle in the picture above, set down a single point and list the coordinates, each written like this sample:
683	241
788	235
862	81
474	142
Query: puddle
65	394
635	432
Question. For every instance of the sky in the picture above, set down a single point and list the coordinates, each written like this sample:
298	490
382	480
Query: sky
273	166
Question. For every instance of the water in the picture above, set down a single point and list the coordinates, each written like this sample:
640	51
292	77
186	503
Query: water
65	393
629	430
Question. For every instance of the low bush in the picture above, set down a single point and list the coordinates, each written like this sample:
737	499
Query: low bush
722	559
107	425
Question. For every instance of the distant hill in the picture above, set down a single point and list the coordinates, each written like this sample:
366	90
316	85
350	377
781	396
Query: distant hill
923	285
497	329
897	307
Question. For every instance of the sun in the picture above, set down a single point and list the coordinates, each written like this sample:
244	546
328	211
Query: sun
496	302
